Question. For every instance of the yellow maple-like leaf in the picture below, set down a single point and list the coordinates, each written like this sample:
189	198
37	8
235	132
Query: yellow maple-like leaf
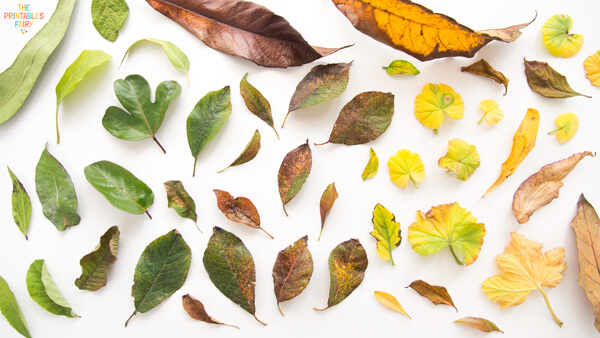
386	232
557	38
390	302
406	166
433	101
491	112
524	270
567	124
592	68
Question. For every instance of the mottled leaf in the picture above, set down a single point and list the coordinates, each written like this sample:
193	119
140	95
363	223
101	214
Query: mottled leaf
406	166
95	265
179	200
567	124
239	209
292	271
480	324
547	82
293	172
256	102
177	58
196	310
433	101
249	152
491	111
592	68
557	38
401	67
21	204
372	166
108	16
386	231
327	199
11	310
43	291
390	302
483	68
436	294
462	159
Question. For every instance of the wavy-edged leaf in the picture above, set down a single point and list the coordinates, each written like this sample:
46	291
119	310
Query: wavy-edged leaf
239	209
462	159
179	200
43	291
433	101
108	16
386	231
196	310
480	324
21	204
592	68
372	166
11	311
567	124
327	199
249	152
292	271
402	67
491	111
256	102
177	58
436	294
483	68
406	166
547	82
390	302
95	265
293	172
557	38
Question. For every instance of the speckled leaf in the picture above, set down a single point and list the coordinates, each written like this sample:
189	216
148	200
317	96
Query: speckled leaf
256	102
372	166
547	82
401	67
11	310
196	310
239	209
43	291
21	204
293	172
483	68
179	200
292	271
386	231
108	16
249	152
95	265
436	294
327	199
480	324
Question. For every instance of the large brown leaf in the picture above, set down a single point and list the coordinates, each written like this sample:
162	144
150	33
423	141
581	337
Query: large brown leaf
243	28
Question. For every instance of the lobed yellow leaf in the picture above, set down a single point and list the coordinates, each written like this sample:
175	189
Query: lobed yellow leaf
491	112
592	68
433	101
567	124
557	38
405	166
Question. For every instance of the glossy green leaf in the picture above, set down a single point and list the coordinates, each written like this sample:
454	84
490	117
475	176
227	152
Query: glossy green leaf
108	17
21	204
56	192
292	271
256	102
43	291
179	200
11	310
18	79
144	117
123	190
206	119
547	82
75	73
177	58
249	152
401	67
386	231
293	172
372	166
95	265
161	270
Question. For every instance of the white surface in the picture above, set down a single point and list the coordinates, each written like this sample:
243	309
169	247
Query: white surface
84	140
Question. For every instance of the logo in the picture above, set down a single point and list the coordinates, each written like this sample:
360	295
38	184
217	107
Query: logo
23	17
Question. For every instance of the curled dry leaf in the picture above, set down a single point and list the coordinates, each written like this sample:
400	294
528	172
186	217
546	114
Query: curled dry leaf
256	103
240	210
292	271
433	101
95	265
249	152
542	187
327	199
557	38
390	302
567	124
547	82
592	68
483	68
293	172
179	200
196	310
480	324
436	294
386	231
372	166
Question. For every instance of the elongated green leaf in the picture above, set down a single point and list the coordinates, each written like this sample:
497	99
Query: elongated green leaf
18	79
75	73
161	270
43	291
401	67
249	152
11	310
123	190
56	192
108	16
177	58
206	119
292	271
293	172
95	265
21	204
386	231
256	102
145	117
179	200
372	166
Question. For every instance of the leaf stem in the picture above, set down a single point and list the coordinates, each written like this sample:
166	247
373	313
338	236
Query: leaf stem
392	258
197	227
160	145
276	133
147	213
484	115
413	181
285	119
320	144
57	134
268	234
285	211
550	307
279	308
194	171
128	319
555	131
321	310
435	132
320	233
258	320
222	170
455	257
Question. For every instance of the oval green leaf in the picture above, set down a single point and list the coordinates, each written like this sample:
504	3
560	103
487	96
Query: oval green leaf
292	271
179	200
256	102
108	17
11	310
177	58
95	265
249	152
21	204
293	172
401	67
43	291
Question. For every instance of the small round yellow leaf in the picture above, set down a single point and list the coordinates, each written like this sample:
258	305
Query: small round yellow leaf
491	111
567	124
433	101
405	166
592	68
557	38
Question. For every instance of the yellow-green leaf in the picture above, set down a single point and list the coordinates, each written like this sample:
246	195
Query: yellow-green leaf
386	231
390	302
405	166
401	67
372	166
462	158
557	38
491	112
567	124
592	68
433	101
480	324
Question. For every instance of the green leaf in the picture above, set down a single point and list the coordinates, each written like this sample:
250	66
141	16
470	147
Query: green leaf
161	270
95	265
177	58
256	103
372	166
18	79
144	117
206	119
547	82
386	231
75	73
249	152
231	268
401	67
123	190
293	172
11	310
462	159
292	271
327	199
179	200
21	204
108	17
43	291
56	192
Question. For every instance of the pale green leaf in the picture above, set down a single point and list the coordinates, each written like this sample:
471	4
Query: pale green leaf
177	58
43	291
11	310
21	204
108	16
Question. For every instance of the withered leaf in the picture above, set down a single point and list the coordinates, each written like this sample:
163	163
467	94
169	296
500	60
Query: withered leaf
179	200
292	271
483	68
547	82
240	210
436	294
95	265
327	199
542	187
249	152
363	119
480	324
196	310
256	103
293	172
243	28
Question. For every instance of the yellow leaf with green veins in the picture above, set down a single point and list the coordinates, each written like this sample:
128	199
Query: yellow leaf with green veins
592	68
567	124
462	158
491	112
557	38
372	166
405	166
433	101
386	232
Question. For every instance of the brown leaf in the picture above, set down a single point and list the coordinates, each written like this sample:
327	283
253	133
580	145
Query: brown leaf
436	294
243	28
544	80
196	310
327	199
480	324
293	172
483	68
240	209
542	187
292	271
257	103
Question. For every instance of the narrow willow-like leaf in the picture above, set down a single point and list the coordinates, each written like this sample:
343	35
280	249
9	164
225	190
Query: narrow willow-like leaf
43	291
21	204
75	73
177	58
249	152
11	310
161	270
108	16
180	201
256	102
483	68
56	192
436	294
293	172
95	265
292	271
196	310
18	79
372	166
327	199
547	82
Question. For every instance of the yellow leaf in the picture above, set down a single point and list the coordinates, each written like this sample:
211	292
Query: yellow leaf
523	143
386	232
433	101
405	166
524	270
557	38
567	123
462	158
491	112
372	166
592	68
390	302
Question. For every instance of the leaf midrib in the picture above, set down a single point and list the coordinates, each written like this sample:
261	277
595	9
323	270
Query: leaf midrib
122	191
158	274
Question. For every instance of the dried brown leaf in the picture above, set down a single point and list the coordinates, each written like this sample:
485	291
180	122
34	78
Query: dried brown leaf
196	310
327	199
292	271
436	294
293	172
240	209
547	82
483	68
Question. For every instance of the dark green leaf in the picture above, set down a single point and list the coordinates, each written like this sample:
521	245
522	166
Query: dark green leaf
11	310
292	271
21	204
177	58
293	172
196	310
327	199
108	16
249	152
401	67
547	82
483	68
95	265
180	201
256	102
43	291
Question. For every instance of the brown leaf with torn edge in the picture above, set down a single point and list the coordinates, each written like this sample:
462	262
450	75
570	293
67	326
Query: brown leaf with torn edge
196	310
240	210
483	68
436	294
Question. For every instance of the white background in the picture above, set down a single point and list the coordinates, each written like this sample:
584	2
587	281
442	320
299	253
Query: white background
84	141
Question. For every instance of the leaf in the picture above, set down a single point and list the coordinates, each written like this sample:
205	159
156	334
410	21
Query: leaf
327	199
372	166
293	172
567	123
123	190
525	269
21	204
75	73
11	310
56	192
491	112
231	269
462	159
240	210
390	302
363	119
483	68
95	265
18	79
557	38
43	291
401	67
161	270
249	152
179	200
480	324
436	294
108	16
386	231
143	117
592	68
447	225
547	82
523	143
321	84
418	31
292	271
586	225
542	187
260	35
206	119
433	101
177	58
196	310
405	166
256	103
347	265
